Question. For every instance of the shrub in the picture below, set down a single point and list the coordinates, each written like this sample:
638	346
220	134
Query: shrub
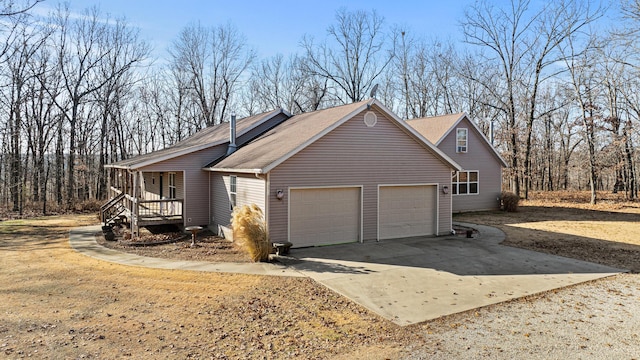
509	201
250	231
89	205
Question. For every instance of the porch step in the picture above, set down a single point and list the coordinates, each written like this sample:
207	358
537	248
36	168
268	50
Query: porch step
112	209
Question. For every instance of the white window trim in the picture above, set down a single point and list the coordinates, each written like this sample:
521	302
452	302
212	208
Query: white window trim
455	183
172	185
233	191
466	141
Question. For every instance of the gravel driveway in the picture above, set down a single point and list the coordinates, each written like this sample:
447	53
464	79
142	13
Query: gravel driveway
596	320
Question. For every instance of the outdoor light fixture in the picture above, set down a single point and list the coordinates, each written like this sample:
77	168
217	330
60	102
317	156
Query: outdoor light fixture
445	189
279	194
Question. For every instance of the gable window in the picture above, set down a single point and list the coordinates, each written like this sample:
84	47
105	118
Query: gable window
464	182
233	181
461	140
172	185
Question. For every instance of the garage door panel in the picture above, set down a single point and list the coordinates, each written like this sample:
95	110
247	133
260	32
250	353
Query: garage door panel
324	216
406	211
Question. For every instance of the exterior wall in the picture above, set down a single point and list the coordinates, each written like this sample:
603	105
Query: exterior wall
192	183
356	155
152	185
249	190
478	157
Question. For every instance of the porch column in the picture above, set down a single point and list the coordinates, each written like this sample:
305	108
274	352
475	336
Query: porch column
135	229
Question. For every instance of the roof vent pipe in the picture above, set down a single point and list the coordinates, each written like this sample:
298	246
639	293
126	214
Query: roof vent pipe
232	135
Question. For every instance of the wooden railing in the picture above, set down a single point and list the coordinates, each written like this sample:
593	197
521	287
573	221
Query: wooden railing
112	208
155	208
144	212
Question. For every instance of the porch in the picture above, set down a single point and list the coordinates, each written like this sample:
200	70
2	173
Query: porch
142	205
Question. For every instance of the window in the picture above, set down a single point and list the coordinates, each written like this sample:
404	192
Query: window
172	185
464	182
461	140
233	181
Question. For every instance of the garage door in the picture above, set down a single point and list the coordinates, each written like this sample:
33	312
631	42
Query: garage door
324	216
406	211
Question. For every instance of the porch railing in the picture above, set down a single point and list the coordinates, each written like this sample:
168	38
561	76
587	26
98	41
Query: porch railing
158	211
112	208
145	212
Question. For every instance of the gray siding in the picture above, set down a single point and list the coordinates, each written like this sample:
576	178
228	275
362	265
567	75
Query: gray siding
152	185
250	190
192	183
478	157
356	155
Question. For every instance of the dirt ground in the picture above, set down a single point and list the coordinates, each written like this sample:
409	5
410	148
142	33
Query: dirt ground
562	223
59	304
169	243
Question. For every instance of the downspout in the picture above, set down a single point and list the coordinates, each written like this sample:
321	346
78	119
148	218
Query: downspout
210	217
267	192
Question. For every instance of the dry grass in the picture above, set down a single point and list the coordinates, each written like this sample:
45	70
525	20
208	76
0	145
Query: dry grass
57	303
564	223
250	231
177	246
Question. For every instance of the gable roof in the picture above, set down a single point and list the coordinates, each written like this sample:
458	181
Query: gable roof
203	139
436	128
300	131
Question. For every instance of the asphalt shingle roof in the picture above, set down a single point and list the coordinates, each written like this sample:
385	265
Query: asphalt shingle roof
205	138
435	128
286	138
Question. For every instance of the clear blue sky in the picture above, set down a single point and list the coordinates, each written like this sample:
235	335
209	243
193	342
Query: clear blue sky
270	26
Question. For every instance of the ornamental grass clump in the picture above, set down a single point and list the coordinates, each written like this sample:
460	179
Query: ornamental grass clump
250	231
509	201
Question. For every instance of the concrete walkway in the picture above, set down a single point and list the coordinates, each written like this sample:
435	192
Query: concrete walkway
83	240
406	281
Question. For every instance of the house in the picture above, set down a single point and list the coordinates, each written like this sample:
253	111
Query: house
478	186
350	173
169	186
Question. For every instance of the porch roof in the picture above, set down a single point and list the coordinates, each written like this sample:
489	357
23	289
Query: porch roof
203	139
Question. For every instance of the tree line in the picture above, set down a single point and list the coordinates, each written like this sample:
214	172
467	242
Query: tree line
554	88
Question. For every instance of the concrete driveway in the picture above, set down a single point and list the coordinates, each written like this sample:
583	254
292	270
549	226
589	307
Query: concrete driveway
406	281
413	280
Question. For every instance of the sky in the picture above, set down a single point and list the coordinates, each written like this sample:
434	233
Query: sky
271	26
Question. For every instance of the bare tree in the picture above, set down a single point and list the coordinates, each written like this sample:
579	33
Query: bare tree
18	59
271	85
354	57
126	50
581	66
423	72
89	60
524	45
10	8
213	61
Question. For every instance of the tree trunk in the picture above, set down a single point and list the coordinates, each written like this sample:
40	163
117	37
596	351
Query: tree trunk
59	164
71	196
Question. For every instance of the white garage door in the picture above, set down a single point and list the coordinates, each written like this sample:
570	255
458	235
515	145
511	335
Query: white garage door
324	216
406	211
